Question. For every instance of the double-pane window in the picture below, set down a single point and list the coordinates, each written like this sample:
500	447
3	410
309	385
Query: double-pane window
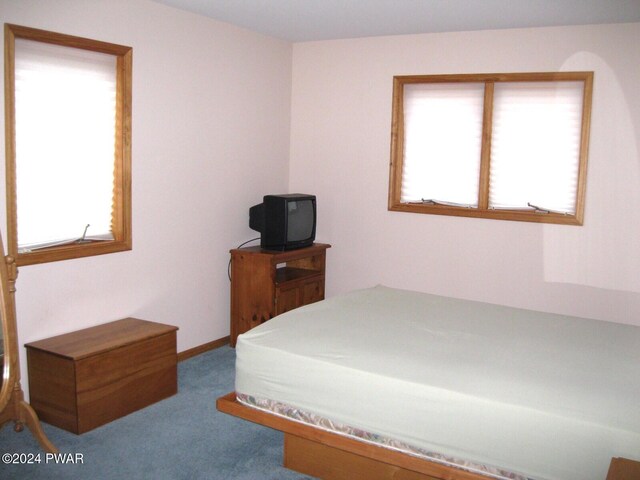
508	146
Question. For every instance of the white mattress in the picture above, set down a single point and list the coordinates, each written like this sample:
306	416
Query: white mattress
551	396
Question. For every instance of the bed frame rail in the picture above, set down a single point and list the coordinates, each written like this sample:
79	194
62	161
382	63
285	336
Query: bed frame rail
331	456
623	469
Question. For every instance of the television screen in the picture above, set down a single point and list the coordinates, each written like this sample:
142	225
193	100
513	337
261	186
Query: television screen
285	222
300	212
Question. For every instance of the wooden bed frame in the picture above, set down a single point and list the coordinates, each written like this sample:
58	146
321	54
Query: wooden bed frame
331	456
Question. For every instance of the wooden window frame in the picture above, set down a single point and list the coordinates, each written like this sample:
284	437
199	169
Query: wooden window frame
483	210
121	216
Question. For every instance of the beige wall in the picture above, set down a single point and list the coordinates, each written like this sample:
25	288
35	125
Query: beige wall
341	116
211	112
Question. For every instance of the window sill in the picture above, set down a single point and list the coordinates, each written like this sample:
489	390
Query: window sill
68	252
513	215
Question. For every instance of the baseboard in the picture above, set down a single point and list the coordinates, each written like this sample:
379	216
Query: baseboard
192	352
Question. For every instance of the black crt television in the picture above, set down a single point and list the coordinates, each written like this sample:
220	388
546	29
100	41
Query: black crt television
285	222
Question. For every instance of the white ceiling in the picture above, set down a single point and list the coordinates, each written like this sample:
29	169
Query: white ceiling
305	20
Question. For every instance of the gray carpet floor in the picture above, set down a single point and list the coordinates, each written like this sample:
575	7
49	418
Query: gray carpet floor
182	437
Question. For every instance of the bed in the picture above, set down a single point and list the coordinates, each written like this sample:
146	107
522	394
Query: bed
387	383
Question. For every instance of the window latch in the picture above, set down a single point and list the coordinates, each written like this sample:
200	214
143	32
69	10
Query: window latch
431	201
82	239
538	209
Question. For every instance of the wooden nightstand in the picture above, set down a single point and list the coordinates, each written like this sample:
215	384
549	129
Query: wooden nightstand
266	283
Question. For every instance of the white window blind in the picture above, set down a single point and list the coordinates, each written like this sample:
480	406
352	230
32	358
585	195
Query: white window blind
535	145
442	142
65	110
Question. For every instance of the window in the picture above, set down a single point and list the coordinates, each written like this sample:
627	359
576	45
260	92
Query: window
68	145
503	146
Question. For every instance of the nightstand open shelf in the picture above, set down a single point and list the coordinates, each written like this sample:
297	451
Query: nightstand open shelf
289	274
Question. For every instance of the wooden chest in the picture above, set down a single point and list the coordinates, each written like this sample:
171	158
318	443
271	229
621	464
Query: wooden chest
84	379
